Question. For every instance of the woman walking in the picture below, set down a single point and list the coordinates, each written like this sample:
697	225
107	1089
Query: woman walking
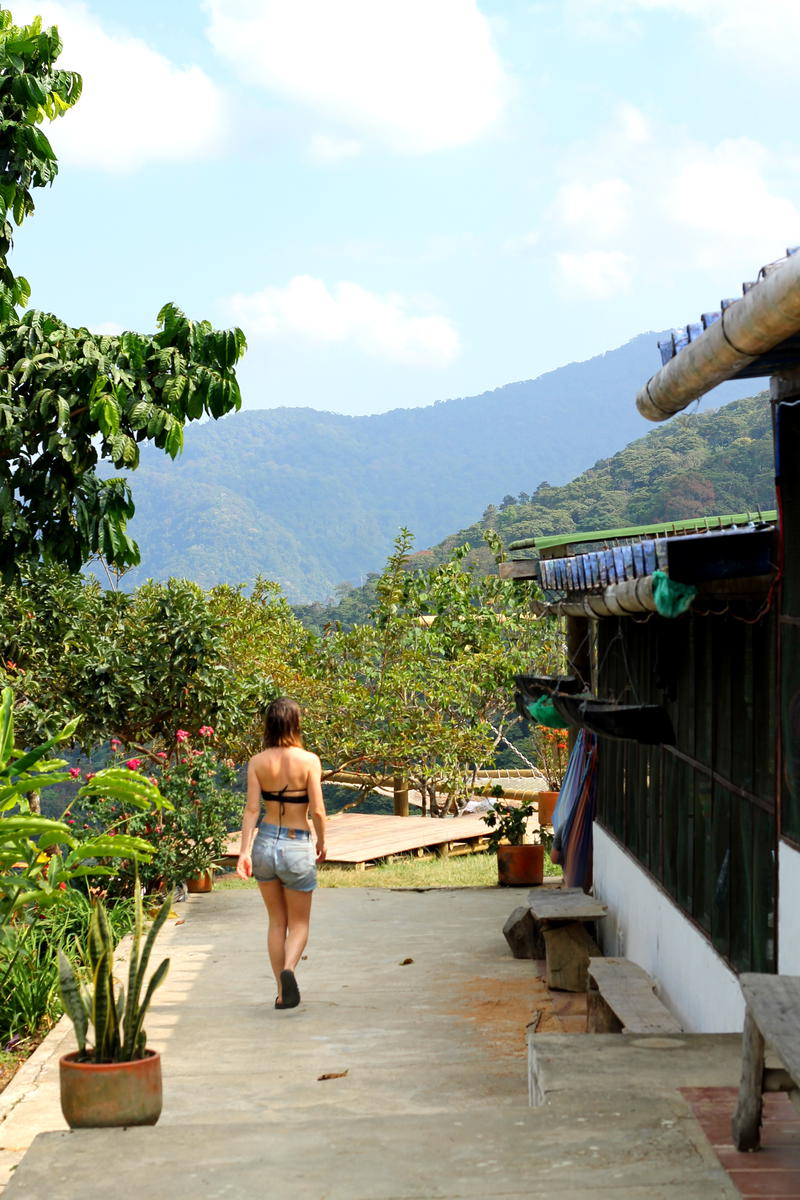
285	778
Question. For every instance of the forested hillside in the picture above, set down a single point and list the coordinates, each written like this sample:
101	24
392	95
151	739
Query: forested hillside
312	499
704	464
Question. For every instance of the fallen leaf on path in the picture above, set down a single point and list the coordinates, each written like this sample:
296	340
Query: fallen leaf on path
331	1075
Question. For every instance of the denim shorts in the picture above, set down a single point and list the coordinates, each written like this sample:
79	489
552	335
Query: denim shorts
287	855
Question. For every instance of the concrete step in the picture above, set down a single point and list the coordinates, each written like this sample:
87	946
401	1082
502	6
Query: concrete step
622	1153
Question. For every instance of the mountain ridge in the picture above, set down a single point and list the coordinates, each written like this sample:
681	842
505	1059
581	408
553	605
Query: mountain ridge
697	465
311	498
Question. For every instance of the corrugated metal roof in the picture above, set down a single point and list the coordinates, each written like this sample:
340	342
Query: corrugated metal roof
552	547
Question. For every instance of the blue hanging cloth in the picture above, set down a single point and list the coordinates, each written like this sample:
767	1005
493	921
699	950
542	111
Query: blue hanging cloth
574	812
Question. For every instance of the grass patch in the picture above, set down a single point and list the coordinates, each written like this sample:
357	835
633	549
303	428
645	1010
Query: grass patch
463	870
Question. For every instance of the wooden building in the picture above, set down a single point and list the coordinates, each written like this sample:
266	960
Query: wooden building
685	640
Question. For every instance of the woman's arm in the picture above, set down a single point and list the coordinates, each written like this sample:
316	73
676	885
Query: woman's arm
244	866
316	806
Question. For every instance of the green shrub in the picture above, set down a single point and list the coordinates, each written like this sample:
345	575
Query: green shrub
29	999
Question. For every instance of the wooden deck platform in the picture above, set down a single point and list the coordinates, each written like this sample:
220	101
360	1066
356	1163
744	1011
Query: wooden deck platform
355	839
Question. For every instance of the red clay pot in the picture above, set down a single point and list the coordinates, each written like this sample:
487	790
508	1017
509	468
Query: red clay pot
547	802
203	882
520	866
99	1095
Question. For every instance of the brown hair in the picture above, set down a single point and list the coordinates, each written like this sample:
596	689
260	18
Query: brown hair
282	724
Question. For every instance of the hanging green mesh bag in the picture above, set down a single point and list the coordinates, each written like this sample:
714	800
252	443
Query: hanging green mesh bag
672	598
543	712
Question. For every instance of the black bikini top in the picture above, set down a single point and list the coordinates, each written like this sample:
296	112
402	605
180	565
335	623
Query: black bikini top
300	798
283	799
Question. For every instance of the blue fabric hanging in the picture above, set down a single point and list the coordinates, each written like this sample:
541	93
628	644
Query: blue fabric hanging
574	812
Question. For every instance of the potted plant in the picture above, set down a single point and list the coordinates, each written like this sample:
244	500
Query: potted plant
117	1081
202	880
519	863
553	752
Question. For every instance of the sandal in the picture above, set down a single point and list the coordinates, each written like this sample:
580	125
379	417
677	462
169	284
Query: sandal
289	991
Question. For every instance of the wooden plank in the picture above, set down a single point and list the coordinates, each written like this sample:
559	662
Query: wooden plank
565	904
600	1017
523	934
568	949
746	1121
519	568
629	991
774	1001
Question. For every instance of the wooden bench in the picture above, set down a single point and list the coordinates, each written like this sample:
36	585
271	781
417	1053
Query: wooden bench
772	1016
561	914
621	999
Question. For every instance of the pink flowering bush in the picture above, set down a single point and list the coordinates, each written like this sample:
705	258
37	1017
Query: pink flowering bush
193	835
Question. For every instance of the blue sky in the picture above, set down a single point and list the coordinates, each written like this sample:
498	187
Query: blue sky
402	201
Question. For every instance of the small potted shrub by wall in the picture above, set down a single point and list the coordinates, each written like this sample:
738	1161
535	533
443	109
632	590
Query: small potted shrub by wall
520	862
117	1081
553	751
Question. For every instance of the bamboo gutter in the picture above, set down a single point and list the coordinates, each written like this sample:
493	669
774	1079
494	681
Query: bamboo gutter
766	315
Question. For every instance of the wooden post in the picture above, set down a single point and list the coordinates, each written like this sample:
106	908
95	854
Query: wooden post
400	796
579	660
785	386
746	1123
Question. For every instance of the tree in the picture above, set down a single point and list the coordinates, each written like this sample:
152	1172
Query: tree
135	667
69	399
424	690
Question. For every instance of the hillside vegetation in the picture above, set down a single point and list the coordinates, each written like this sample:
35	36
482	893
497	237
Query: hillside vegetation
312	499
701	464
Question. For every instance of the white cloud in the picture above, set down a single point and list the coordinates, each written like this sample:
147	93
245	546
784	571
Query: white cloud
347	315
594	274
761	33
325	149
672	206
634	127
137	107
419	75
722	193
600	210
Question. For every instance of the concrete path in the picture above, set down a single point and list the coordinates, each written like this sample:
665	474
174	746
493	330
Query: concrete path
414	1007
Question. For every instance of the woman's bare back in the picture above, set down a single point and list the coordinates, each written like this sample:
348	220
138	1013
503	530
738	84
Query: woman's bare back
285	769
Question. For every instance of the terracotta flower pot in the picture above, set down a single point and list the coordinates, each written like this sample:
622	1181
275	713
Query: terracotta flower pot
202	882
546	802
98	1095
520	866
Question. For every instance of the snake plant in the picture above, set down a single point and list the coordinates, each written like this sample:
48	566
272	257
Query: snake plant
116	1018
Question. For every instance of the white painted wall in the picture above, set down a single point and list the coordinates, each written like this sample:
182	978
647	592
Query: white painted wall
788	910
645	926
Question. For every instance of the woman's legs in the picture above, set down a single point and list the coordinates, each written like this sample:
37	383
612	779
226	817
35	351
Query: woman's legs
298	906
289	913
272	893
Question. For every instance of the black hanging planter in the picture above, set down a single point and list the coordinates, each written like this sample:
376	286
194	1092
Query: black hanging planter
536	685
646	723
